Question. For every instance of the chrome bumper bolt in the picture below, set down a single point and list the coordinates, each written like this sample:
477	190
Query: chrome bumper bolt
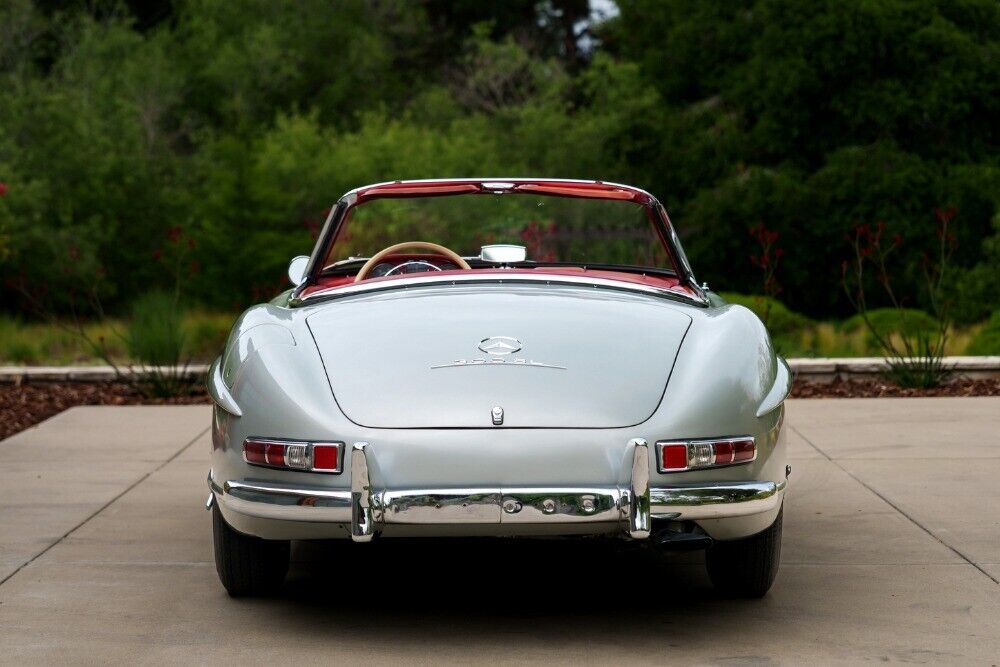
588	505
511	506
548	506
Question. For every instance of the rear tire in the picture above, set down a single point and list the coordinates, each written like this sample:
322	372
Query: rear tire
247	565
747	567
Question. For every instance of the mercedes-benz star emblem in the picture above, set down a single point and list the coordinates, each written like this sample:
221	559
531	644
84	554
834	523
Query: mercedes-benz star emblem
499	345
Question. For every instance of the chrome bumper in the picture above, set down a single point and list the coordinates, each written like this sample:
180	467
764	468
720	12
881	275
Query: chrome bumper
367	508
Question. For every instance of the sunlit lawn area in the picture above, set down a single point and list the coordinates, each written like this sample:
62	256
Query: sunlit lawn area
205	334
798	336
50	344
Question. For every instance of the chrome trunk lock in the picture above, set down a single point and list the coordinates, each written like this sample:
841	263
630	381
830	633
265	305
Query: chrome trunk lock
497	414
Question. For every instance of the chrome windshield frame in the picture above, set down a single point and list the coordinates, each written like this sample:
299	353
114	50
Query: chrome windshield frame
657	214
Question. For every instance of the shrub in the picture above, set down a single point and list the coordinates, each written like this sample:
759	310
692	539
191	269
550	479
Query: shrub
154	336
205	334
914	355
888	321
987	341
781	320
155	340
22	352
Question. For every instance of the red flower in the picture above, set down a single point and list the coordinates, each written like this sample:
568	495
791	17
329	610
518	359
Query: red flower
3	189
157	255
945	214
175	233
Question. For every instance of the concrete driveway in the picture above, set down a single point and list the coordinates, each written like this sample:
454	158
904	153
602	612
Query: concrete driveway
891	553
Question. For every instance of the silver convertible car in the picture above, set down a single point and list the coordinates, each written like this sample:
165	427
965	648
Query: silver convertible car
498	357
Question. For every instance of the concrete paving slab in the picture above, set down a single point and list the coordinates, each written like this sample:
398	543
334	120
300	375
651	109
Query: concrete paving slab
200	450
110	613
58	473
955	500
37	509
798	448
162	520
841	522
866	428
103	434
135	583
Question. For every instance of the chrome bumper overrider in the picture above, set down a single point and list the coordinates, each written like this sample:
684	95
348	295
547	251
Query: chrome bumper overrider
366	508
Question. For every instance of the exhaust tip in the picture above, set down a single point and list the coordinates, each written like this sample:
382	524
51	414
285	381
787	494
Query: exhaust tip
671	540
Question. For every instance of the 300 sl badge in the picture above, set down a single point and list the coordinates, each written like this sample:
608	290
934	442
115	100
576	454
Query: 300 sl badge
497	349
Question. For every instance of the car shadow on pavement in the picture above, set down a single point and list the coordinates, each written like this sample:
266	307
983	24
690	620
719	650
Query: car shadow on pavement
461	584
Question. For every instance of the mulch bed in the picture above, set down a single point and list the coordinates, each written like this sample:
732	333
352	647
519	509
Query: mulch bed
27	404
878	388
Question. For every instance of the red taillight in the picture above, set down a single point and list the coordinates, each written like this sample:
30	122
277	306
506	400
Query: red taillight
674	456
305	456
274	454
326	457
693	454
723	453
254	452
744	450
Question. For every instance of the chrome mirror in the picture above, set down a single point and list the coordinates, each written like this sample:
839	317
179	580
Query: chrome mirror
503	252
297	269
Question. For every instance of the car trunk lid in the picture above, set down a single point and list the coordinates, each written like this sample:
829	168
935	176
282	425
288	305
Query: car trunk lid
516	357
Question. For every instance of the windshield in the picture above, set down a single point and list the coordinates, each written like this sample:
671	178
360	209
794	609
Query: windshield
553	229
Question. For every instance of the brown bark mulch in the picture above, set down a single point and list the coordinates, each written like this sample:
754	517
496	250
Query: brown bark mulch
27	404
879	388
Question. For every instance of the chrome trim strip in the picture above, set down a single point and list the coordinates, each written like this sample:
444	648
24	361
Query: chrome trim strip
521	505
218	390
362	511
437	506
251	491
365	287
213	486
564	505
291	503
716	501
639	494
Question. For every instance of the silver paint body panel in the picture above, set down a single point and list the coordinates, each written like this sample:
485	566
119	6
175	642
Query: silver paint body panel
641	367
391	359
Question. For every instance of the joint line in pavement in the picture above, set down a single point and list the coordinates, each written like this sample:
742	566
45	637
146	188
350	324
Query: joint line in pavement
104	507
893	505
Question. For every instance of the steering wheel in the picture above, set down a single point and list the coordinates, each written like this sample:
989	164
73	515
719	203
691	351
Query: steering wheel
421	245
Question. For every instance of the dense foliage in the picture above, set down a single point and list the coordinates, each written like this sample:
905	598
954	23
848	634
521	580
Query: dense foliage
203	140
